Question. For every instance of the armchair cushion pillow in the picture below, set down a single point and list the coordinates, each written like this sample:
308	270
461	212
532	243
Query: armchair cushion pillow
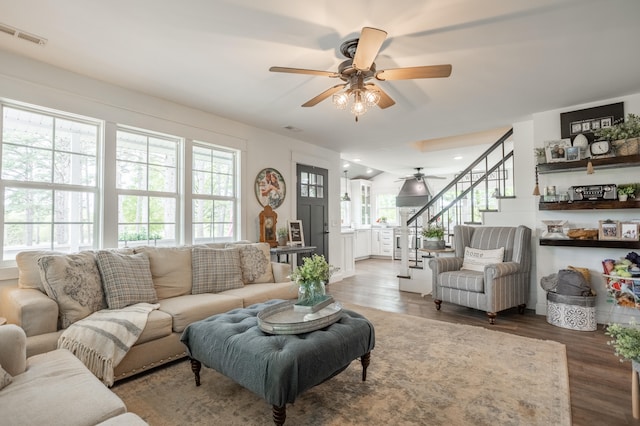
126	278
476	259
5	378
73	281
215	270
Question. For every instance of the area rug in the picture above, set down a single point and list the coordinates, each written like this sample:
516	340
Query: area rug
422	372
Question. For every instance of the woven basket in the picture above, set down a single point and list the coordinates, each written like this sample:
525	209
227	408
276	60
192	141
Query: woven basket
627	146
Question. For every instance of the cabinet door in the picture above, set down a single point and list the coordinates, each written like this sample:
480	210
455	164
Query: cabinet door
361	202
375	242
363	243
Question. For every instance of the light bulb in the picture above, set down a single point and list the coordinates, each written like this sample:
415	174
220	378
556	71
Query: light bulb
340	100
359	107
371	97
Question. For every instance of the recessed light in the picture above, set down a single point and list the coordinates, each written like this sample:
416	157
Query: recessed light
369	171
345	165
459	157
357	160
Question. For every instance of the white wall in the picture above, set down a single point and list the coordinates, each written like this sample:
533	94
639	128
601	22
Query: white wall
32	82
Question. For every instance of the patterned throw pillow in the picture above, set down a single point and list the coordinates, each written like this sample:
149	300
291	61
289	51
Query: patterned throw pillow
215	270
126	278
255	261
476	259
73	281
5	378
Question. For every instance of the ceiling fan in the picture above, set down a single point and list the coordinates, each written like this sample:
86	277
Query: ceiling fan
419	176
359	69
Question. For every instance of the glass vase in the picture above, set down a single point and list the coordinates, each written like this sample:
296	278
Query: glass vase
310	293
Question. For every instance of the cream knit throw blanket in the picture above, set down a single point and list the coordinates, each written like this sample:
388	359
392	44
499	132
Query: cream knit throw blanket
103	338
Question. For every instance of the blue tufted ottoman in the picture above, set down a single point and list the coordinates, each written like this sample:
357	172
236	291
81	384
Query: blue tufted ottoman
277	367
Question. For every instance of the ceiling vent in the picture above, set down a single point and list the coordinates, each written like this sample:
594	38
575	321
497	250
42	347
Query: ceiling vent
15	32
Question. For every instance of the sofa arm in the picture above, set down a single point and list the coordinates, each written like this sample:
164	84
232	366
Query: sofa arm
13	349
497	270
281	272
31	309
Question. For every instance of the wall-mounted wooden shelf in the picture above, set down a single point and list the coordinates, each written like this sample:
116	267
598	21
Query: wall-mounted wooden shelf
590	205
592	243
597	163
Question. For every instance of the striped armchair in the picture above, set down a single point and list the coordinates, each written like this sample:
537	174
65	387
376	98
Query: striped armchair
500	286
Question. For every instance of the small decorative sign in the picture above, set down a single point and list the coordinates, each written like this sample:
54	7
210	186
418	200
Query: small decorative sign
296	236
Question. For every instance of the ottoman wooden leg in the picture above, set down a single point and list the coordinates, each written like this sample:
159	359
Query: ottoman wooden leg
195	367
365	360
279	414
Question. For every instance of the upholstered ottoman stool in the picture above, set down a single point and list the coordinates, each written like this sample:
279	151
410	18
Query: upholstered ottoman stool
280	367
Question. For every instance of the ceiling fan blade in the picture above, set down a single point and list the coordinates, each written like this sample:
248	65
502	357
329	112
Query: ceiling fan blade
324	95
385	100
433	177
369	45
304	71
429	71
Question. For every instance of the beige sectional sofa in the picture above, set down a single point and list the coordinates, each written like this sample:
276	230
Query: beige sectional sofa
53	388
190	284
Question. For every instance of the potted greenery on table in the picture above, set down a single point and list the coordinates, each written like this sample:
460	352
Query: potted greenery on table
434	237
311	278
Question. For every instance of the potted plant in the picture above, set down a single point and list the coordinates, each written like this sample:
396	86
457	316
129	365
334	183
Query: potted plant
626	342
434	237
311	278
625	191
623	135
283	234
382	220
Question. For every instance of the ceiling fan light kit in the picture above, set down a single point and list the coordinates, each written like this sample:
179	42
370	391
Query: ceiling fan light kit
358	69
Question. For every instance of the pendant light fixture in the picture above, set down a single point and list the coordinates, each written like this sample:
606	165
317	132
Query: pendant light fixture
346	197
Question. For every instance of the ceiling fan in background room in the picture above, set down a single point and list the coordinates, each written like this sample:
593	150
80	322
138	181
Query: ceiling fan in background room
419	176
359	69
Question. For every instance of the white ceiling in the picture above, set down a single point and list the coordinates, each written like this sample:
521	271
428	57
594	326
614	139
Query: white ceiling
510	58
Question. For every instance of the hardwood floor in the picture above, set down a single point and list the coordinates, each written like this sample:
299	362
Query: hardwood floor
600	385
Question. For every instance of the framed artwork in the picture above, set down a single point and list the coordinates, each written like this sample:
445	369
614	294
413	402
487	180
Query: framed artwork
554	230
629	231
609	230
296	236
270	188
556	151
586	121
268	223
573	153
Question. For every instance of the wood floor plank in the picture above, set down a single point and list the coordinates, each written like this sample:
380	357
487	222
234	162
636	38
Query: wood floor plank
600	384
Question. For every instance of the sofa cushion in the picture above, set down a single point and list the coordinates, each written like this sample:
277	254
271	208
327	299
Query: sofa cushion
57	389
126	278
170	270
28	270
73	281
159	324
215	270
5	378
477	259
258	293
193	307
255	261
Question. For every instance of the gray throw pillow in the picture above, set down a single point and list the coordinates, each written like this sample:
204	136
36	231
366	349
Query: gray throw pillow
73	281
126	278
215	270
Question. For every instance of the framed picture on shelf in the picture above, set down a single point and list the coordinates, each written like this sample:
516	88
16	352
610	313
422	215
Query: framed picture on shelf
609	230
573	153
554	230
556	151
629	231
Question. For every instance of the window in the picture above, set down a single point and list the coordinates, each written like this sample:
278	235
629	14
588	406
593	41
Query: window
147	188
386	207
48	179
214	190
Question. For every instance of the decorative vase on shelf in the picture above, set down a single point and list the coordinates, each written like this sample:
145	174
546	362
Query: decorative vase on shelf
622	197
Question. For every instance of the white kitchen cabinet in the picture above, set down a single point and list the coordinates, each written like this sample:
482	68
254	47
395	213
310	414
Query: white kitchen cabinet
362	243
348	265
382	242
361	202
